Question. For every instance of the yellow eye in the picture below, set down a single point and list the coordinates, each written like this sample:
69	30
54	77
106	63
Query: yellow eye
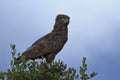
62	19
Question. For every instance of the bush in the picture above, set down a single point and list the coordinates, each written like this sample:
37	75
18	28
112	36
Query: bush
41	70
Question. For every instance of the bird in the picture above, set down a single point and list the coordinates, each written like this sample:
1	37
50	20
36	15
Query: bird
51	44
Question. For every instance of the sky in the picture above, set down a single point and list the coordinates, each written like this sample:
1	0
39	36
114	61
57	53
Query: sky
94	31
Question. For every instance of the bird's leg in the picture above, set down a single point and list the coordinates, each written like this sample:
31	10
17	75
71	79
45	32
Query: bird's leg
50	57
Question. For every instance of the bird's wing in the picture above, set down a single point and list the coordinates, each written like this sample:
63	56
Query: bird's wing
50	43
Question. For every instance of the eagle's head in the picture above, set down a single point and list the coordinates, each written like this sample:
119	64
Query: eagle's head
63	19
61	23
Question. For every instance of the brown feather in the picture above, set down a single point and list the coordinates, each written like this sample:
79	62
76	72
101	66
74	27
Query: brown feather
49	45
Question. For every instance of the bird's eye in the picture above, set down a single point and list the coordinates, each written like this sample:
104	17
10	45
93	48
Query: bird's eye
62	19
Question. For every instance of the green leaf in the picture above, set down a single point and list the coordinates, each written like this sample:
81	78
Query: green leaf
93	74
12	46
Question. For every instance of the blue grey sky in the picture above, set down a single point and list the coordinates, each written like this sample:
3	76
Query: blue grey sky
94	31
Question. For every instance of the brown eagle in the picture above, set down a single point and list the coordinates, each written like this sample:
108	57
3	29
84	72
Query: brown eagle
49	45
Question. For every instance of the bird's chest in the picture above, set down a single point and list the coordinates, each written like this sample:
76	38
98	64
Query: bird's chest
58	42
